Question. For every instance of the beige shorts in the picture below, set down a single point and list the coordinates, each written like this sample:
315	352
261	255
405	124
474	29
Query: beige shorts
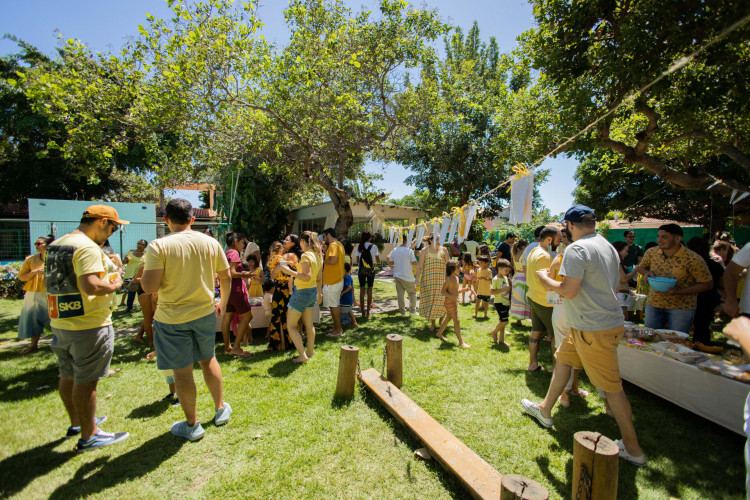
332	294
595	352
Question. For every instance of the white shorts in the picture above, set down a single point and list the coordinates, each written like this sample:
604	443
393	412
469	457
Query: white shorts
332	294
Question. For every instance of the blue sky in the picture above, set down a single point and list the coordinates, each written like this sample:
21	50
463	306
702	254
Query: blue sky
105	25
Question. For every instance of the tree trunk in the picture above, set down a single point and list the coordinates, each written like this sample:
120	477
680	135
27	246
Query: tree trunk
344	211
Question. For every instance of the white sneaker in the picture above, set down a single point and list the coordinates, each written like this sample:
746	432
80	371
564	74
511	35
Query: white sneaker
533	409
639	461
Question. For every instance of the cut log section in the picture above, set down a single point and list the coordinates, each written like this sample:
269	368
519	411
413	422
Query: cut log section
476	475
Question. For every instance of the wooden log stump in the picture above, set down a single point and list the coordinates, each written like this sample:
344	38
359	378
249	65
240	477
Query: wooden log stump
395	370
348	358
595	466
513	487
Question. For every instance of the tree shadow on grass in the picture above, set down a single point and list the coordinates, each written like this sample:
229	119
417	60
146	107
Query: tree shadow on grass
103	473
150	410
17	471
452	485
283	368
30	384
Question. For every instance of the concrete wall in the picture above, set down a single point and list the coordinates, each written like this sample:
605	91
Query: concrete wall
62	216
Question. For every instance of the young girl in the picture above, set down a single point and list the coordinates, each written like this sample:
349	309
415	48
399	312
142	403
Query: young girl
450	291
468	281
255	281
623	290
500	288
483	280
519	308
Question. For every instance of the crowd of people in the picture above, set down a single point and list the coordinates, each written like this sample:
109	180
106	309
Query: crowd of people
574	286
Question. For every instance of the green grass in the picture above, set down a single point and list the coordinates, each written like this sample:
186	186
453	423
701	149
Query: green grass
312	445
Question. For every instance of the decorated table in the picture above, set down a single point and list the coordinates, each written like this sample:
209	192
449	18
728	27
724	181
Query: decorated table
706	393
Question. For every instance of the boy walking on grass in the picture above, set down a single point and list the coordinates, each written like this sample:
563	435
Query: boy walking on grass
347	295
501	290
450	291
483	280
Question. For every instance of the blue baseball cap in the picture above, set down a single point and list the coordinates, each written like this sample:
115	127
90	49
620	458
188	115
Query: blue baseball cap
576	213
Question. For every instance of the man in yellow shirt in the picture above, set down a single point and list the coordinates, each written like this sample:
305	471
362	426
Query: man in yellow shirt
541	312
78	300
181	266
333	279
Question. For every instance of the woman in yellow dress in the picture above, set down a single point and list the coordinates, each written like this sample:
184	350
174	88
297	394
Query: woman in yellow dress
34	316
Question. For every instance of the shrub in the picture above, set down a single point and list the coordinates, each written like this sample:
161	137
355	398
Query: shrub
10	286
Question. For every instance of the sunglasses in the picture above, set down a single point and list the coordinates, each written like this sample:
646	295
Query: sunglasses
37	244
115	227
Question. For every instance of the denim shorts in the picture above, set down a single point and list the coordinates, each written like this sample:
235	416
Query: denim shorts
303	299
181	345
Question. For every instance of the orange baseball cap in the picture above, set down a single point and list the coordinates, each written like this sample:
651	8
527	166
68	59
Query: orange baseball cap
104	212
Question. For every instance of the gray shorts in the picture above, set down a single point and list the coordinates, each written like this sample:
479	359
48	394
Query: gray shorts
84	354
181	345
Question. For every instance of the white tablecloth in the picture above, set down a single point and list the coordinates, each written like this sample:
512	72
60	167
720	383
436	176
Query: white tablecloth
261	321
717	398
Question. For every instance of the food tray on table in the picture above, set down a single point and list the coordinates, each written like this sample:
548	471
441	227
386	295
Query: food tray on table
736	372
678	352
671	335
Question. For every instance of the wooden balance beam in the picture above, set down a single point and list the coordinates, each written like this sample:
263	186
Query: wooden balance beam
477	476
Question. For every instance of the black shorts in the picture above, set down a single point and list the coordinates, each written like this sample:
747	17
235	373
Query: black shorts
366	278
502	311
485	298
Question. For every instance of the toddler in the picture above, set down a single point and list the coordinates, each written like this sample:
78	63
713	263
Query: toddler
269	286
482	279
450	291
169	379
500	288
347	296
468	282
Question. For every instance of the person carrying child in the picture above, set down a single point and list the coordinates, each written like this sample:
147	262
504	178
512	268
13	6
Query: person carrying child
347	295
450	291
483	279
500	288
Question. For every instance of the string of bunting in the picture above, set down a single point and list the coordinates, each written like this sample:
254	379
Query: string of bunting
456	224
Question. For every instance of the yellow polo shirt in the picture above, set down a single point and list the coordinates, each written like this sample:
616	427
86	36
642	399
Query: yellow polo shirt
538	259
190	261
334	273
31	263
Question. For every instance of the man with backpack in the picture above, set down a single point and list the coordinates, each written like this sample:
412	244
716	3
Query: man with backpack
366	255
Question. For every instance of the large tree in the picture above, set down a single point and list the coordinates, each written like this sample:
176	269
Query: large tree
666	82
334	95
493	118
606	183
31	164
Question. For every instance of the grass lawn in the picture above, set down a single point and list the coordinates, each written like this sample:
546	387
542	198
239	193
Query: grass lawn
288	437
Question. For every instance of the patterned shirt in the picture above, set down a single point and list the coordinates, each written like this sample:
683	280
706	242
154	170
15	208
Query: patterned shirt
686	266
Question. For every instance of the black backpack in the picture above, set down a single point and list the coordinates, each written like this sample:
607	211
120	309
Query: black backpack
366	264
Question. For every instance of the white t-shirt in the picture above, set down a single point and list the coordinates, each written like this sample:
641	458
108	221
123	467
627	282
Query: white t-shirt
369	247
403	258
251	247
471	247
742	259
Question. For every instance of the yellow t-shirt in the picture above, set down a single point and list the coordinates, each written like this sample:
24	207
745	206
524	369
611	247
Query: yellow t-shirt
133	265
333	274
67	258
499	282
315	263
35	284
538	259
483	286
190	261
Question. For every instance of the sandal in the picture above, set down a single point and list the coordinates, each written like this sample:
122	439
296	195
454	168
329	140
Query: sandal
244	354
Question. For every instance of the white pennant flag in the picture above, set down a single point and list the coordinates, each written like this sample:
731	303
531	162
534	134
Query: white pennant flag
420	235
444	230
409	238
436	234
453	228
740	197
734	193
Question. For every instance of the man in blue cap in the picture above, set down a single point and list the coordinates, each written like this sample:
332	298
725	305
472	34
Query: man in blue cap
590	273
